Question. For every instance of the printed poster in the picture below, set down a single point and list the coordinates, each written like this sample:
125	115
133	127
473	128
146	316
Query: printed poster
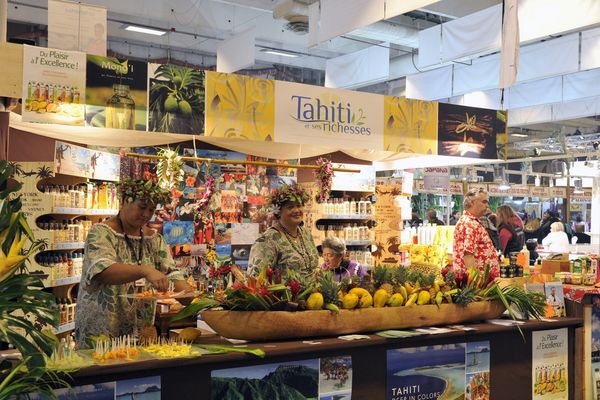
364	181
550	364
176	99
389	225
324	379
75	26
53	86
178	232
307	114
410	125
116	93
146	388
469	131
596	345
444	372
70	159
239	107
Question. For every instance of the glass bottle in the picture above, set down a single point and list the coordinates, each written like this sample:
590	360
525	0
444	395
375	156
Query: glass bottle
120	108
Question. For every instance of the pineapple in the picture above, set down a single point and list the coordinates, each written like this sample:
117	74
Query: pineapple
330	288
147	333
382	277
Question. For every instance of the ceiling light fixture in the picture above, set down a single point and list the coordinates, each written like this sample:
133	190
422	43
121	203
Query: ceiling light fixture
144	29
537	181
518	135
503	185
281	53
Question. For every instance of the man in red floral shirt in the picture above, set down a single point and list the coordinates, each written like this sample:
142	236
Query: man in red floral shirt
473	246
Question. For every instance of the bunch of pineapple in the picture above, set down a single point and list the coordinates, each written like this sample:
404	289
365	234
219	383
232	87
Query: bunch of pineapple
400	286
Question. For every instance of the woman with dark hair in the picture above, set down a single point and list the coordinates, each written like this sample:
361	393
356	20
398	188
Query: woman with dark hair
286	245
510	230
549	217
334	250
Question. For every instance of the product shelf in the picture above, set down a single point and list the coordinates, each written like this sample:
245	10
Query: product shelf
66	246
65	281
64	328
83	211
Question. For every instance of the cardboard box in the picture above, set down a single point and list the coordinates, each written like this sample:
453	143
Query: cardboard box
552	266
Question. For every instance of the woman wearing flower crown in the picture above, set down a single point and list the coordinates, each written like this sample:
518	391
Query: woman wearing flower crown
118	253
285	245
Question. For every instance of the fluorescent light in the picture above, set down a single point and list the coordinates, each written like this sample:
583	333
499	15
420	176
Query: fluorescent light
537	181
503	185
518	135
144	29
279	53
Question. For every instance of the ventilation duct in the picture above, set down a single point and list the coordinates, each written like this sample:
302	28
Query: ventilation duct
296	12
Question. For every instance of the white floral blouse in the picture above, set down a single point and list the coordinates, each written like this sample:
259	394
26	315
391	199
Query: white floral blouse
103	309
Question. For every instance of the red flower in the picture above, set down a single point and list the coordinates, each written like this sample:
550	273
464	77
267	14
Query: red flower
238	286
269	273
264	292
294	286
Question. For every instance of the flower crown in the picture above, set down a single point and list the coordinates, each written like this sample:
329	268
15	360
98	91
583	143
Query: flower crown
291	193
143	190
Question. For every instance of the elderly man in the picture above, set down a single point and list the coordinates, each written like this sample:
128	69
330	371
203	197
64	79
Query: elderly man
473	246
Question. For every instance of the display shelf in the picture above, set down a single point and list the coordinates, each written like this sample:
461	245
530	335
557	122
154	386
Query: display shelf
65	281
64	328
83	211
358	243
353	217
66	246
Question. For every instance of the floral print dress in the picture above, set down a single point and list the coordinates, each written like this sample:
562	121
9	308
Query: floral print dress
281	252
103	309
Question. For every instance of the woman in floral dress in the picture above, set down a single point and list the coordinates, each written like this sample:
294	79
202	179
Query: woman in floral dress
286	245
119	253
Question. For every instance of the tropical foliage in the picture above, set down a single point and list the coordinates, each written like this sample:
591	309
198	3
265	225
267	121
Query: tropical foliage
22	302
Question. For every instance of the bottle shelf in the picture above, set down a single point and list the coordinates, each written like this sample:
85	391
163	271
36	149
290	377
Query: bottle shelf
65	281
347	216
358	243
64	328
66	246
83	211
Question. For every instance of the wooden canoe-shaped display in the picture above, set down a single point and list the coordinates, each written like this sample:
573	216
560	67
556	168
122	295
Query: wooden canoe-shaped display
272	325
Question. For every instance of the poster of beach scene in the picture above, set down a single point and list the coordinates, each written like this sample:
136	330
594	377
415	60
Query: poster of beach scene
297	380
147	388
335	378
429	372
477	384
96	391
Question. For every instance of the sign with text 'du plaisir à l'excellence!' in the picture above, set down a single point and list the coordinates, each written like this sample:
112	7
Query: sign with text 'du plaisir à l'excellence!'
306	114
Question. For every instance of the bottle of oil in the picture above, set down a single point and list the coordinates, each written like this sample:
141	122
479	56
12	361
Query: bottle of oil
120	108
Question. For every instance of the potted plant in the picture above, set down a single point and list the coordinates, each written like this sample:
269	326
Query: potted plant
23	305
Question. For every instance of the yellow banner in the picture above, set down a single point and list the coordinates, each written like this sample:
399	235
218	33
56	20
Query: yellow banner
410	125
239	107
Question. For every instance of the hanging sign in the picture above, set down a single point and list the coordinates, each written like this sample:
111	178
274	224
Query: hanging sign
410	125
582	197
456	188
307	114
361	182
478	186
76	26
550	364
539	191
70	159
437	178
559	192
53	86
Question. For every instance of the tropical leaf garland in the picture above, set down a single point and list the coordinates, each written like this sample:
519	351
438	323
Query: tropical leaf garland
169	169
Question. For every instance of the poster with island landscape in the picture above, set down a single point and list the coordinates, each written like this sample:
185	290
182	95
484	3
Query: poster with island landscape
443	372
324	379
